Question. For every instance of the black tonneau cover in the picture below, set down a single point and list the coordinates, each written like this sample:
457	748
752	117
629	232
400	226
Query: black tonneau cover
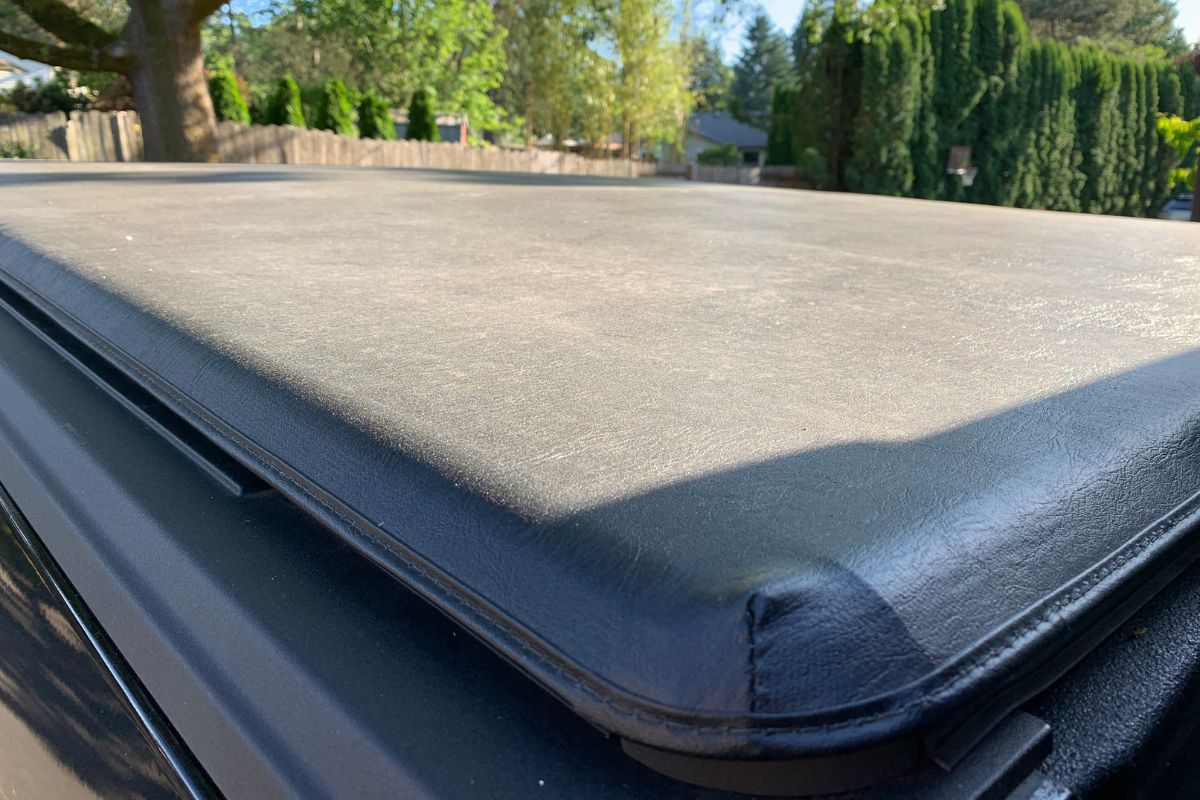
735	473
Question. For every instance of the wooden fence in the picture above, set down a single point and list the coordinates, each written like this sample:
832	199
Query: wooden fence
80	136
789	177
274	144
116	136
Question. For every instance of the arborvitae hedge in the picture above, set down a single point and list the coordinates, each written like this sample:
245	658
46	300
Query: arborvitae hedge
889	90
422	117
227	100
1188	71
285	107
779	136
334	109
375	118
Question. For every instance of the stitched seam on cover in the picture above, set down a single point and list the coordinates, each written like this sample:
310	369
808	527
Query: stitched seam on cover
751	637
963	673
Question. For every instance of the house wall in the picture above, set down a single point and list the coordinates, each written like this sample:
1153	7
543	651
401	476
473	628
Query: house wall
693	144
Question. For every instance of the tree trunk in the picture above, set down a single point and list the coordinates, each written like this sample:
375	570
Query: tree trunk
1196	197
529	115
169	86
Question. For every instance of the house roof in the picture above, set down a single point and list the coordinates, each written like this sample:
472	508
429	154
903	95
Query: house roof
722	128
13	69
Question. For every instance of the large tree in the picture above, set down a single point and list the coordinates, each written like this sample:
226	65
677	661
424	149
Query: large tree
652	92
547	53
1133	23
710	78
763	64
155	43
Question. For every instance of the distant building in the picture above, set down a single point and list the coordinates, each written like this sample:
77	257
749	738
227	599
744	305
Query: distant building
14	70
709	129
451	127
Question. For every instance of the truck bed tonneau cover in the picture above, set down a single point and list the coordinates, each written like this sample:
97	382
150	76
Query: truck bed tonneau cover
734	473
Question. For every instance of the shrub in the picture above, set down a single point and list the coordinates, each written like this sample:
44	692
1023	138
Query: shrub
334	110
422	119
1182	137
375	118
284	107
724	156
44	97
227	100
17	150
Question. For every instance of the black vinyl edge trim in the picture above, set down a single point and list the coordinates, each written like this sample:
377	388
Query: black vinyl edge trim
216	462
155	727
940	709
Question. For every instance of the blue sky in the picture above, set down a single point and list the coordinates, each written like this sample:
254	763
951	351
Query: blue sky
786	12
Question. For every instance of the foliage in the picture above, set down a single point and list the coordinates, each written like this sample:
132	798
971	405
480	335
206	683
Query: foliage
375	118
43	97
885	93
284	106
17	150
1187	68
1129	23
764	64
652	92
422	116
595	99
226	97
725	155
710	81
546	55
1183	137
828	89
887	116
779	135
334	109
453	46
565	68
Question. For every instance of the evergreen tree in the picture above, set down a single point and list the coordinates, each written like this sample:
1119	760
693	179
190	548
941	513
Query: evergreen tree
959	82
928	163
1129	158
1063	179
1050	125
1149	187
1188	70
828	96
998	127
227	100
285	107
882	161
763	64
422	117
1098	126
711	79
375	118
1129	23
779	136
334	110
810	30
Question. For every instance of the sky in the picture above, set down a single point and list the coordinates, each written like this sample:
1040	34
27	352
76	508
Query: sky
786	12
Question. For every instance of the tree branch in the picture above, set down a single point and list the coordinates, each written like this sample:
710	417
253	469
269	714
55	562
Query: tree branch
202	9
65	23
71	57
